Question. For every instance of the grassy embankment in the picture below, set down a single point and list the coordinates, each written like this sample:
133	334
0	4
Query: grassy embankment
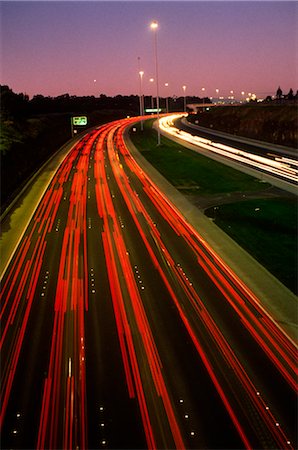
265	122
266	228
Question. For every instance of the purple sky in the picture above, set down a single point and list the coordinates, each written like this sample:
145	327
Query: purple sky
52	48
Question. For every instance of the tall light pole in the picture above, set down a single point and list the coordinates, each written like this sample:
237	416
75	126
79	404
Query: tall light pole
167	99
203	91
217	92
154	27
184	88
141	73
152	104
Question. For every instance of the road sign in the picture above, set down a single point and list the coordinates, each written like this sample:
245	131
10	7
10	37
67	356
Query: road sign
79	120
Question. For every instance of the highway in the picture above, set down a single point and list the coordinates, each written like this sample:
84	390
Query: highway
121	328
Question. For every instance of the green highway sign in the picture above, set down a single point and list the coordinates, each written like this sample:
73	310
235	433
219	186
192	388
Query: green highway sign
79	120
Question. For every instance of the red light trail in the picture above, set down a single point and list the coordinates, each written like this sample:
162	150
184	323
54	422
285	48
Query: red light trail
100	163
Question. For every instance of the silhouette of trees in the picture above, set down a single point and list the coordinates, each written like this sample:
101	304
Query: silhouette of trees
282	98
279	93
290	95
12	105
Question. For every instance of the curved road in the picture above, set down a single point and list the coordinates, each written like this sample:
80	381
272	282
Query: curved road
121	328
277	165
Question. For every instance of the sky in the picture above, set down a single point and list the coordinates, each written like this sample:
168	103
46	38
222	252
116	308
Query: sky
92	47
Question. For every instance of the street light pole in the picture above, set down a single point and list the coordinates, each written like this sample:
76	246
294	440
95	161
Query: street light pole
152	102
154	26
142	95
217	92
141	73
167	99
184	88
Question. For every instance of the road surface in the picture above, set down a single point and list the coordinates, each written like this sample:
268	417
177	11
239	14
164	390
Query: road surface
121	328
277	165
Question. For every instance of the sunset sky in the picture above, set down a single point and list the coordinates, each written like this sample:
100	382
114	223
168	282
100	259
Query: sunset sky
52	48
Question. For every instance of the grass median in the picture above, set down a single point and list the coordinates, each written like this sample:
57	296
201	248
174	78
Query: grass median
265	227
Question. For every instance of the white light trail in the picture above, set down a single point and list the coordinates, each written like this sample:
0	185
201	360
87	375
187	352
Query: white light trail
69	367
285	168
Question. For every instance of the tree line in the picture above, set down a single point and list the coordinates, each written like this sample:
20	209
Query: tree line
19	105
280	97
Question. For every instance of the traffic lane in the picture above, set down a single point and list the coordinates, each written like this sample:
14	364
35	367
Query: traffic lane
228	325
211	263
178	356
163	250
39	318
113	418
74	349
278	171
255	149
258	366
140	356
27	278
206	339
123	178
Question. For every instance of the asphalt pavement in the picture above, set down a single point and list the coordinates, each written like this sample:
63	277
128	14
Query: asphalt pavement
109	270
275	297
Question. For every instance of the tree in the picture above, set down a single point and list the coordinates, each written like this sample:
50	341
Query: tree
290	95
279	93
12	105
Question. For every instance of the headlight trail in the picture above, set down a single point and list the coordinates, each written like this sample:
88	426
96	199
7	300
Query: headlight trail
285	168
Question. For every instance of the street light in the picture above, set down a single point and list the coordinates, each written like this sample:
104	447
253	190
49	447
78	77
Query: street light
141	73
184	88
167	99
217	92
203	90
154	27
152	105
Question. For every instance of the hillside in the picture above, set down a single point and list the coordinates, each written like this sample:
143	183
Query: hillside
270	123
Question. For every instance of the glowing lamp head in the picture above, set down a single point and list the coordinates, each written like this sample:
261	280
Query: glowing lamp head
141	73
154	25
